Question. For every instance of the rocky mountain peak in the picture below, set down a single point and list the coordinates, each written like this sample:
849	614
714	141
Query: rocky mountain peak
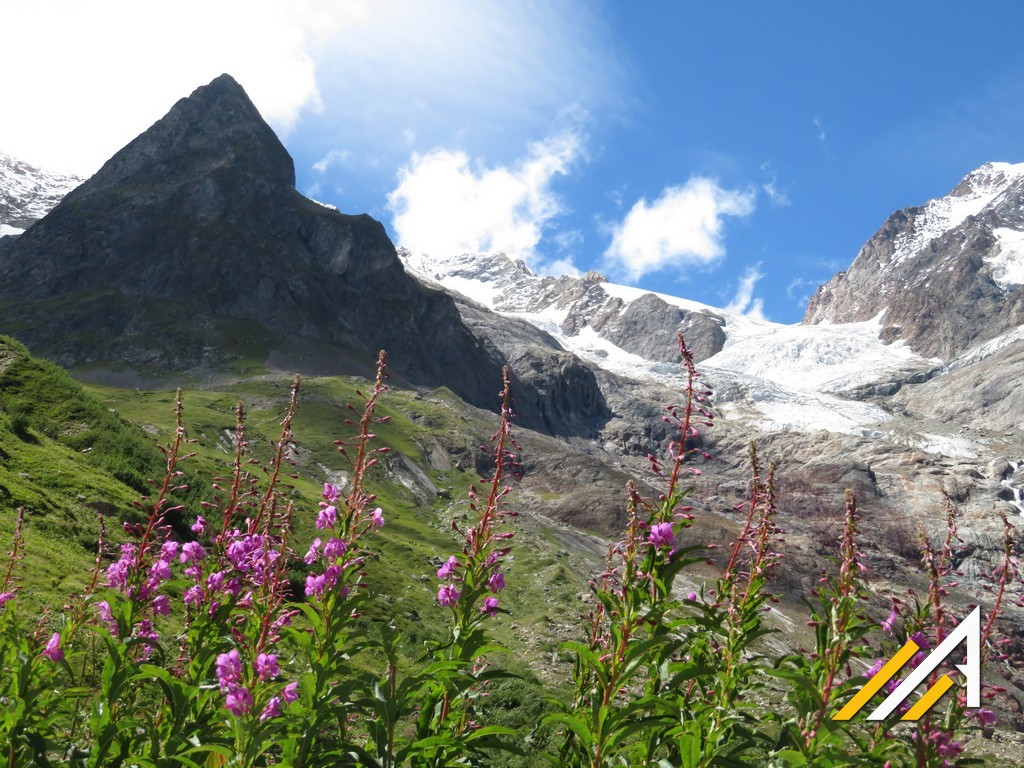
943	276
217	126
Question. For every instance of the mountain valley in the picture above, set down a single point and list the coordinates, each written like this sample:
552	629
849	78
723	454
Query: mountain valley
190	260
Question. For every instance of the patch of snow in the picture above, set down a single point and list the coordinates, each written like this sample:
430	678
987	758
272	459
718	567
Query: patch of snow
817	358
946	445
780	377
328	206
987	349
1008	264
7	229
970	198
28	193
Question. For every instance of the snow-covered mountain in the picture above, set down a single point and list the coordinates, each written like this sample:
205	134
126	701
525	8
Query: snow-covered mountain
896	316
944	276
28	193
783	377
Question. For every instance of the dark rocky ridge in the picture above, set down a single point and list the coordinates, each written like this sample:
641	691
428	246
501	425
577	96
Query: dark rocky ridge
191	246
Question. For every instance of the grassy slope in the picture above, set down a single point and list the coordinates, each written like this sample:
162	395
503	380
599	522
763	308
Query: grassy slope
69	452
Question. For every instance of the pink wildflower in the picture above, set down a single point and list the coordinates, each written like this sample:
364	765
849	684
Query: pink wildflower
273	709
378	517
229	670
490	606
161	605
496	582
888	623
267	666
238	702
448	595
192	552
53	650
661	535
314	551
446	570
334	548
327	517
290	692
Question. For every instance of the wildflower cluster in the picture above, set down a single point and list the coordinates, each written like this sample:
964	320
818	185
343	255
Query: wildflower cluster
236	646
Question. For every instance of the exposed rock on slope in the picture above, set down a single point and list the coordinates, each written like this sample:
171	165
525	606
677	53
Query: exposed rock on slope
635	321
947	275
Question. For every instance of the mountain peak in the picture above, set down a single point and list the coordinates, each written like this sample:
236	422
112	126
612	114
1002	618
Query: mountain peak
943	276
217	125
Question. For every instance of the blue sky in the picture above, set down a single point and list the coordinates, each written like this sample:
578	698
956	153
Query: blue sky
734	153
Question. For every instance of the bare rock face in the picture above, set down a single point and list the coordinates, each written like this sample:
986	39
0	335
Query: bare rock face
648	328
947	275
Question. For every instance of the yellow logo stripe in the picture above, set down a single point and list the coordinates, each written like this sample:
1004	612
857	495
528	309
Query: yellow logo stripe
932	695
883	676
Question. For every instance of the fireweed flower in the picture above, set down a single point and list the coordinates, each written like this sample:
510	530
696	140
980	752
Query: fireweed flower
315	585
169	550
238	702
199	526
5	597
496	582
229	670
888	623
53	650
192	552
267	667
273	709
448	595
290	693
446	570
327	517
378	517
661	536
314	551
334	548
330	493
490	606
985	716
161	605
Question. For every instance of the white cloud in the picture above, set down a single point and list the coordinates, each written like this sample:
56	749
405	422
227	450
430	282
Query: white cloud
682	228
332	157
481	75
375	74
91	76
445	205
560	267
744	302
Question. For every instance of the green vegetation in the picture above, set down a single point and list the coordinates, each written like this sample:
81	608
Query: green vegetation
439	640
